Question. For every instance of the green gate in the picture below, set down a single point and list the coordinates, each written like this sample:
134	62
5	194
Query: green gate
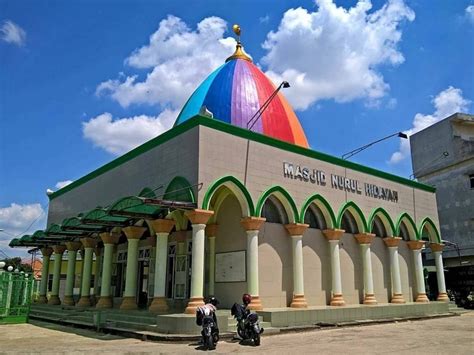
16	290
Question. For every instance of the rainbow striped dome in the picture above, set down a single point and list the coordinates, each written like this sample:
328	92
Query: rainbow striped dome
235	92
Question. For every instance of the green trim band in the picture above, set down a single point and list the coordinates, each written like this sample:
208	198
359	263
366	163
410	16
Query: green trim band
286	194
425	221
240	132
385	214
318	197
346	206
220	182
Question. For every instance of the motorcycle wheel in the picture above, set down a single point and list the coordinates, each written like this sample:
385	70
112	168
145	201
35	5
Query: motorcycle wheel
241	333
256	340
210	342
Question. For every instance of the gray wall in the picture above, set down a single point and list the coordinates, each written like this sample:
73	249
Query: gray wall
450	175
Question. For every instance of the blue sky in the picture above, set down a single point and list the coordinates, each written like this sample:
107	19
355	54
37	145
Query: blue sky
69	70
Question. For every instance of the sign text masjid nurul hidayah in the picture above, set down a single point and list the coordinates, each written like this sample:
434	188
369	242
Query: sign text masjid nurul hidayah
319	177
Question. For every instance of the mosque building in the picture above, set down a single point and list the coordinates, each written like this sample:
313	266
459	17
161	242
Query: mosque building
232	200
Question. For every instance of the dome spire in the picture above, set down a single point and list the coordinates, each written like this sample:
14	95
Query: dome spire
239	50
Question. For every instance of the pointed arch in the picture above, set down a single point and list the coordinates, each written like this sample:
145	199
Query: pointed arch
323	205
433	233
237	188
179	189
406	219
385	218
284	197
356	212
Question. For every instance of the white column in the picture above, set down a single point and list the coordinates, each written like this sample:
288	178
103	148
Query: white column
211	233
58	259
333	236
133	234
89	245
198	219
252	226
416	246
296	230
392	244
437	250
45	275
212	263
162	228
109	240
364	239
72	248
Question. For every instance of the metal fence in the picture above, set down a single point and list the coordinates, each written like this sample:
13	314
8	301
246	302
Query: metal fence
16	290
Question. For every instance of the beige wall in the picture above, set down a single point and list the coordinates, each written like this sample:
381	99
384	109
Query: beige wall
407	271
230	237
381	270
222	154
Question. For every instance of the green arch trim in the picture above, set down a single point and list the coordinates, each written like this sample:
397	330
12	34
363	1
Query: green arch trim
429	221
277	189
385	214
351	204
318	197
185	193
221	182
133	204
410	220
147	192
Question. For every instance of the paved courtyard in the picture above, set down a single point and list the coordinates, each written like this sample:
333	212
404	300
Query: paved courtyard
453	335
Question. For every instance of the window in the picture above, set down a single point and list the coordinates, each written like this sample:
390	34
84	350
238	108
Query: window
349	223
471	181
378	227
274	211
314	217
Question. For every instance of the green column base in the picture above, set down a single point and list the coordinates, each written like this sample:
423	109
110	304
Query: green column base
84	301
54	300
68	301
42	299
129	303
105	302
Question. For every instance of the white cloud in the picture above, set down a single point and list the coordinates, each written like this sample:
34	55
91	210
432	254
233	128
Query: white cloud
17	219
264	19
446	103
121	135
10	32
179	59
339	50
61	184
470	13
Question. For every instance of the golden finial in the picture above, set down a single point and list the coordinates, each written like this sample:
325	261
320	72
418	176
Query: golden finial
239	50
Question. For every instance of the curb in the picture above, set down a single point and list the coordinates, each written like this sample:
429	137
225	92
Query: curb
160	337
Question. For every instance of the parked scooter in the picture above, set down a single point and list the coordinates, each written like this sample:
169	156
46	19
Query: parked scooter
248	326
206	317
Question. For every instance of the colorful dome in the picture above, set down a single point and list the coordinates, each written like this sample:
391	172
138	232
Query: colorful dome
236	91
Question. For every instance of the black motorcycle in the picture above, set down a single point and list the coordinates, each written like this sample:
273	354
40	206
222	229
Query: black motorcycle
248	326
210	331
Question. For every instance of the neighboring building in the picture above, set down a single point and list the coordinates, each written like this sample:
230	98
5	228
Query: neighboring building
213	207
443	156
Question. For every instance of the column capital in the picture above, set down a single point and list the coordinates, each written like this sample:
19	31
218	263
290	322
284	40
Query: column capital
59	249
436	247
415	244
109	238
73	246
296	228
364	238
252	223
88	242
211	230
161	225
134	232
199	216
46	251
333	234
392	241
